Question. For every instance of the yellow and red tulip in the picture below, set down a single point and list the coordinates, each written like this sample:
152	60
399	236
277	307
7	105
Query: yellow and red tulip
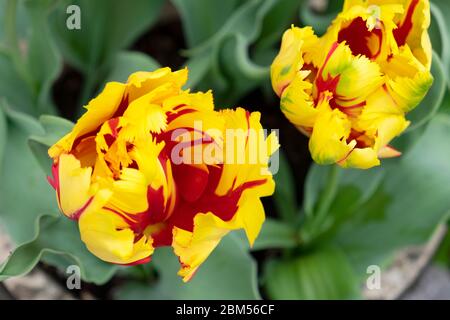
350	89
115	173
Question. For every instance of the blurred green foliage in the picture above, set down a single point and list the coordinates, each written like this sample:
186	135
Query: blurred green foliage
318	249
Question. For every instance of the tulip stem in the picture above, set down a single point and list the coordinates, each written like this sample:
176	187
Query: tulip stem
325	201
329	192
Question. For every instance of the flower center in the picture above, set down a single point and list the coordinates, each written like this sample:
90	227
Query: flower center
361	40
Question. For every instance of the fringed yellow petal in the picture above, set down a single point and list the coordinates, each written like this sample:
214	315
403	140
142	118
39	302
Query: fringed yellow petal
193	248
141	83
199	101
297	103
250	216
98	111
247	152
328	142
294	45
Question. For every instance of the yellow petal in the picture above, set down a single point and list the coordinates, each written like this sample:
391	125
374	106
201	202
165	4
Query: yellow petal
200	101
382	118
76	194
141	83
413	30
408	81
250	216
328	142
289	61
108	237
247	152
130	192
193	248
365	158
297	103
99	110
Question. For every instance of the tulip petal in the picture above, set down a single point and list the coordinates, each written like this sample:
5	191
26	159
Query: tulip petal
109	237
193	248
297	103
141	83
75	192
99	110
294	45
328	142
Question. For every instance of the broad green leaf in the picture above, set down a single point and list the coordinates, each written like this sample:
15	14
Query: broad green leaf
202	19
285	196
127	62
228	273
441	26
442	256
13	85
25	196
107	26
24	191
44	61
55	128
323	274
220	54
409	202
274	235
56	235
429	106
27	73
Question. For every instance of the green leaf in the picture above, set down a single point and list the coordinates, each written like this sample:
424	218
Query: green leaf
56	235
26	76
440	25
24	190
202	19
429	106
445	106
13	87
274	235
127	62
403	208
107	26
43	60
55	128
219	36
3	133
228	273
285	196
25	195
323	274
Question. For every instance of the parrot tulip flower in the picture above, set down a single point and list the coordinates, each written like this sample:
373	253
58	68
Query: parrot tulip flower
118	172
350	89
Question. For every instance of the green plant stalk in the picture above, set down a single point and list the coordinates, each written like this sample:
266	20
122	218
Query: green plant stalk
315	226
